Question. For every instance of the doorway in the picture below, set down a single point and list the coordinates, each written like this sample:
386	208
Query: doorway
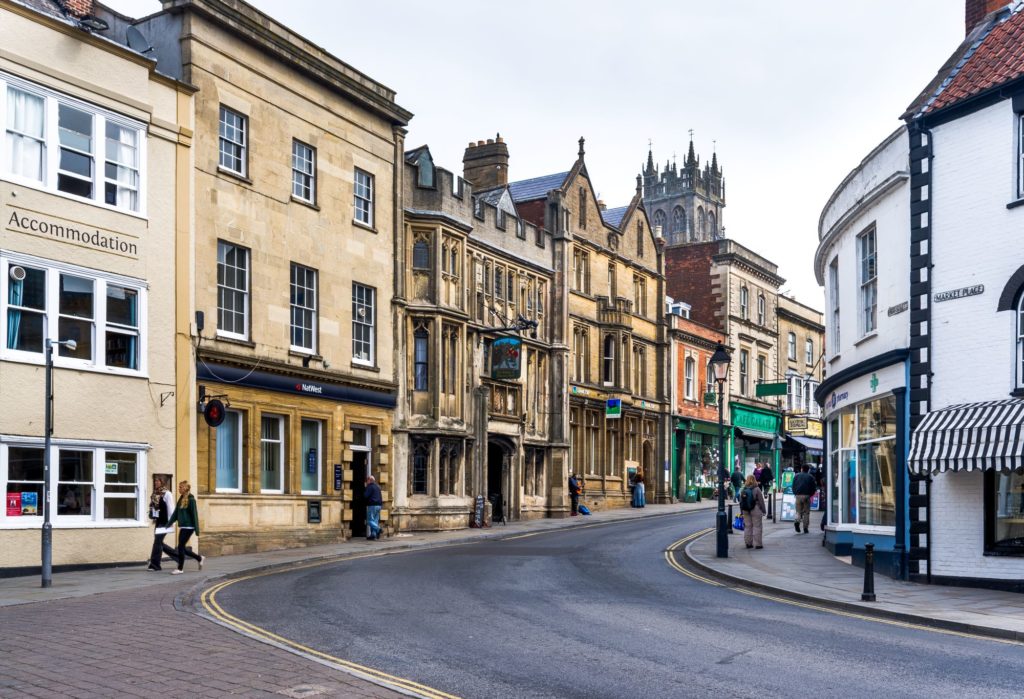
497	494
360	447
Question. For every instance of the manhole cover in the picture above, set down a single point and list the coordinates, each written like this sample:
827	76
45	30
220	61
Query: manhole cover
304	690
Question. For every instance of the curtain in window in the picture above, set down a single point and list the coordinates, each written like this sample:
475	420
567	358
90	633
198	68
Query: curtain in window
16	293
25	133
227	453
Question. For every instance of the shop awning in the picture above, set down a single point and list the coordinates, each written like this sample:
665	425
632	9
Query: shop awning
813	445
755	434
970	437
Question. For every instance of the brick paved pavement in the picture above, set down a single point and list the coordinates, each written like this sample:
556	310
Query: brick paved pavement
136	644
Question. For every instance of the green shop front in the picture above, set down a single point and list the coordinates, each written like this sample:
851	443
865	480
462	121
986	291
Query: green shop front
695	458
756	430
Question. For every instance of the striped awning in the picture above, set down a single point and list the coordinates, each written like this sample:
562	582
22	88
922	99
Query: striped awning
970	437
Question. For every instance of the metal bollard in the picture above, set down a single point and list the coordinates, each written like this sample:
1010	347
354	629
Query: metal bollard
730	518
869	573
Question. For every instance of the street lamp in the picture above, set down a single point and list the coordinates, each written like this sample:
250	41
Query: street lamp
719	364
47	431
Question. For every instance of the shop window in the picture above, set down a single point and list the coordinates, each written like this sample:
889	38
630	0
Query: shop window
92	484
862	441
272	454
420	466
97	154
229	453
102	313
1004	512
312	456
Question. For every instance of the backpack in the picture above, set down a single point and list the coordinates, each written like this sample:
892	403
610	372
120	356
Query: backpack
748	500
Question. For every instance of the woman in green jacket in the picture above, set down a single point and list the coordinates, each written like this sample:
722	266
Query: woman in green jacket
186	514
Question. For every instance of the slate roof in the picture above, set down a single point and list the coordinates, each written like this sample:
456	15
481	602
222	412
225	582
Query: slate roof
537	188
613	217
491	196
987	59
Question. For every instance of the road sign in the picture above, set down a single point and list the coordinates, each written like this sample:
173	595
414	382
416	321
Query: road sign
771	389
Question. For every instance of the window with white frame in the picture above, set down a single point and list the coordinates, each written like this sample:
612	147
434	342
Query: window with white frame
866	254
809	352
232	290
63	145
363	324
744	371
689	377
862	463
833	298
303	172
272	454
303	308
93	484
791	347
762	310
228	437
233	141
608	361
44	300
312	456
744	302
363	197
421	357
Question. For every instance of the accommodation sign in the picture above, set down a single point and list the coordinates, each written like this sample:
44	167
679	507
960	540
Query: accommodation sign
23	221
959	293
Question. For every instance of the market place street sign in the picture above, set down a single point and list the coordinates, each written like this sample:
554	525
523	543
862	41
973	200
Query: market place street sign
959	293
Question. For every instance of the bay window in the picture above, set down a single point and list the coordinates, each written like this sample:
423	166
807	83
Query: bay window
862	463
63	145
103	313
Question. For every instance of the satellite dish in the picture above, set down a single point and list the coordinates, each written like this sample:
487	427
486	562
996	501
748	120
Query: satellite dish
138	41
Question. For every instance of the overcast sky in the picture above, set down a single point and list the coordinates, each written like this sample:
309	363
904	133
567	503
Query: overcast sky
791	93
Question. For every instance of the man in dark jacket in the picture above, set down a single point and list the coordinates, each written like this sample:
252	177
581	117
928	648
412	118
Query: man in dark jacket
574	494
737	483
373	504
766	478
804	486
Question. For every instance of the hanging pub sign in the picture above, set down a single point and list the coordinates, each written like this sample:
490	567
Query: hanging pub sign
505	358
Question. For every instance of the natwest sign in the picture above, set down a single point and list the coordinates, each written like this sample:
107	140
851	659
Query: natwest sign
309	388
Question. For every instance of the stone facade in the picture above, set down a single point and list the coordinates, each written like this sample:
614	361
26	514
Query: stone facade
91	258
298	184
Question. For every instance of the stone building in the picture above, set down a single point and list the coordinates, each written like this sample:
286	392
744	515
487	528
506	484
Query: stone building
95	209
801	354
607	310
686	203
297	175
480	415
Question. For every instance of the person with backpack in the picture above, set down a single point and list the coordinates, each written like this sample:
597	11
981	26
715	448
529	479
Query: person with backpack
753	508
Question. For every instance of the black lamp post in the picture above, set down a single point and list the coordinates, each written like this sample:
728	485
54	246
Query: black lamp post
47	556
719	364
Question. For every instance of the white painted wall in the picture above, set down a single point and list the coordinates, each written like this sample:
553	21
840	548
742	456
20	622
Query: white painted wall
875	193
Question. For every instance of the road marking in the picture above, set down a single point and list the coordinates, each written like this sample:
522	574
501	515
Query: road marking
604	524
670	557
209	601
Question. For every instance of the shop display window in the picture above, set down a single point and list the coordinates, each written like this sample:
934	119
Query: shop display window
862	463
1004	512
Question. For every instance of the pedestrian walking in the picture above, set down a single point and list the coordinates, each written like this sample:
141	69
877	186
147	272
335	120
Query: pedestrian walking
374	502
757	471
753	509
766	478
804	487
161	504
574	494
186	514
737	483
639	490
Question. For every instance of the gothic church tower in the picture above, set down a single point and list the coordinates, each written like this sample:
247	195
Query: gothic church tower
686	202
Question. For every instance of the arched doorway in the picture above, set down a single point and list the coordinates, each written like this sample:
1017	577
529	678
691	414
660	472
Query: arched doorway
647	466
499	458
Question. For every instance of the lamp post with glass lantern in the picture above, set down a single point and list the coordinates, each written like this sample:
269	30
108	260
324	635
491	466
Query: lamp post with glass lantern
719	364
47	430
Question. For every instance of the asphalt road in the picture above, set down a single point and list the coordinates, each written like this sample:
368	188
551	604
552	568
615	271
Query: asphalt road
597	612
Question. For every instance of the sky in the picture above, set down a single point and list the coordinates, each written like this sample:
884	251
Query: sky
791	94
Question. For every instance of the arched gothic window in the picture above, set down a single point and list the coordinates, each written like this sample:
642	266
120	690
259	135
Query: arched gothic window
659	219
678	219
712	224
701	221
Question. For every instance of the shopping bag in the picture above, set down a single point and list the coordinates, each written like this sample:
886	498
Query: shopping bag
737	523
584	510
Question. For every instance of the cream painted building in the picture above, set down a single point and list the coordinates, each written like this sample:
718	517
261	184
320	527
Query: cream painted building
95	187
297	187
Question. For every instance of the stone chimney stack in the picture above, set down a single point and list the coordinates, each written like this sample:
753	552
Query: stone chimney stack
976	10
485	163
78	8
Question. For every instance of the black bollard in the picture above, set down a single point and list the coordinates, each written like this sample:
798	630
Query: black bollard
869	573
730	518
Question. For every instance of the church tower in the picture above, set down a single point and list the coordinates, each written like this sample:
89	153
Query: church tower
686	202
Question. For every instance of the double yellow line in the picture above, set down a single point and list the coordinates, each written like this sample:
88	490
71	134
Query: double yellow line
209	602
670	557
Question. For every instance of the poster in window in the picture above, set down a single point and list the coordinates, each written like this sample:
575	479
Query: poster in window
14	504
505	358
311	461
30	503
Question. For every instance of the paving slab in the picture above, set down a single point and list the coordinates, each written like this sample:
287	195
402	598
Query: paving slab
798	566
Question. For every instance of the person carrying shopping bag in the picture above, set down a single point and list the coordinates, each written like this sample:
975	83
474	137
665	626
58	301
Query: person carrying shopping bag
186	514
753	508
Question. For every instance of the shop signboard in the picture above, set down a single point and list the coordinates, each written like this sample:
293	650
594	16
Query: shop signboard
788	513
613	409
754	420
505	355
786	482
337	478
796	425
